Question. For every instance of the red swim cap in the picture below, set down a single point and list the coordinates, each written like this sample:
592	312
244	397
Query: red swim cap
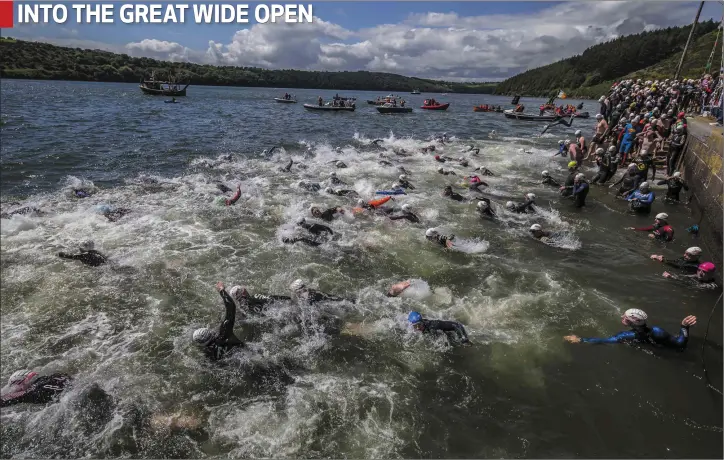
682	114
707	267
437	157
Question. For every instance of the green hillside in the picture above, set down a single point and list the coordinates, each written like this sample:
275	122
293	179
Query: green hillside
43	61
585	74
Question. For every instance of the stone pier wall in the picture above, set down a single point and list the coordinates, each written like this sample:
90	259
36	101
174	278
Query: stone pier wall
701	165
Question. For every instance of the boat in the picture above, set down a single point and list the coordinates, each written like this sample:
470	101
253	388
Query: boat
415	91
435	106
337	97
389	99
536	117
389	108
171	102
285	101
480	108
329	108
161	87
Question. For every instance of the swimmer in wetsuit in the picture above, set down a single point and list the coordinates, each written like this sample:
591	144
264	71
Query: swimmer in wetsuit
112	213
406	214
217	343
484	208
674	185
548	180
22	211
629	181
454	331
308	295
473	149
403	182
443	240
475	183
327	215
703	279
688	264
446	173
538	233
28	387
660	230
484	171
81	193
288	167
316	229
347	193
580	190
448	192
254	303
567	188
310	186
231	201
88	255
334	180
527	206
641	200
641	333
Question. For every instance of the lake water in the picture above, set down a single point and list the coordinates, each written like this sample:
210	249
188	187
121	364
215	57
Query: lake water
518	391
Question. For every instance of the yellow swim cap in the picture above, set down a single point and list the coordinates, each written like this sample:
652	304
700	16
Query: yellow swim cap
572	164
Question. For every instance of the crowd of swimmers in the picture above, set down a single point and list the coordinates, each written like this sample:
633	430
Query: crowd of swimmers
635	122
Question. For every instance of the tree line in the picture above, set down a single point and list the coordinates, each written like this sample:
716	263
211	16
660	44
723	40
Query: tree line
600	65
43	61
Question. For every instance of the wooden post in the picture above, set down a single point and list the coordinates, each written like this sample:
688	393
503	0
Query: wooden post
691	33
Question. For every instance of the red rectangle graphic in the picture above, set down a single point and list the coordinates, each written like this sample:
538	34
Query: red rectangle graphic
6	14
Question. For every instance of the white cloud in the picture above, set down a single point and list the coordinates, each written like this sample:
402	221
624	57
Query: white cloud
436	44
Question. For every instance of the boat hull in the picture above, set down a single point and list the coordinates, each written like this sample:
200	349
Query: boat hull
436	107
327	108
394	109
533	117
285	101
163	92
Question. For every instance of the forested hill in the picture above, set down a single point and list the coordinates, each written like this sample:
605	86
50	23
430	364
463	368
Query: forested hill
605	62
42	61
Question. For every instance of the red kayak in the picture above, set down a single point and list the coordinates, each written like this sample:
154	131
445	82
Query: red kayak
436	107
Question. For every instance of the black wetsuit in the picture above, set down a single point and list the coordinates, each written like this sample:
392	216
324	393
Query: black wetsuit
43	390
643	164
301	239
568	190
116	214
225	340
580	192
22	211
336	181
90	257
447	173
676	146
454	196
454	331
476	186
406	215
525	207
604	163
629	182
441	239
343	192
327	215
405	184
312	296
311	186
223	188
484	171
550	181
255	303
644	334
674	188
317	229
689	267
288	167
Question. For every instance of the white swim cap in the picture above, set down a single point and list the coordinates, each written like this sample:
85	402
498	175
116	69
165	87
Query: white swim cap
677	174
578	133
530	196
662	216
301	220
297	285
612	149
535	228
328	190
635	317
599	116
644	186
579	176
510	205
402	177
236	293
19	377
561	142
406	207
694	251
483	205
440	170
545	174
333	174
599	151
360	202
203	335
567	142
431	232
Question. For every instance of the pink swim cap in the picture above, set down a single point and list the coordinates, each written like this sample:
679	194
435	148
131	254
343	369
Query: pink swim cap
707	267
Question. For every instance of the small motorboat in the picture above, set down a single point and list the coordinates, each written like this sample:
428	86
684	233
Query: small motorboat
171	102
329	108
389	108
285	101
415	91
529	116
435	106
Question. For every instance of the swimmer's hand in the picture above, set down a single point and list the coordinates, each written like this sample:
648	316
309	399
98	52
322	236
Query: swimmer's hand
572	339
688	321
219	286
655	257
629	228
449	244
544	239
651	235
667	275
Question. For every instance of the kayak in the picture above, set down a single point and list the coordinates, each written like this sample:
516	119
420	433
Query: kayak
436	107
383	109
391	192
328	108
286	101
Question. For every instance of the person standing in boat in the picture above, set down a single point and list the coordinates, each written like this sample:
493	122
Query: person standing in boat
320	101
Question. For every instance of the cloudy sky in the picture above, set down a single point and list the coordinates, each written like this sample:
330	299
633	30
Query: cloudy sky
481	41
